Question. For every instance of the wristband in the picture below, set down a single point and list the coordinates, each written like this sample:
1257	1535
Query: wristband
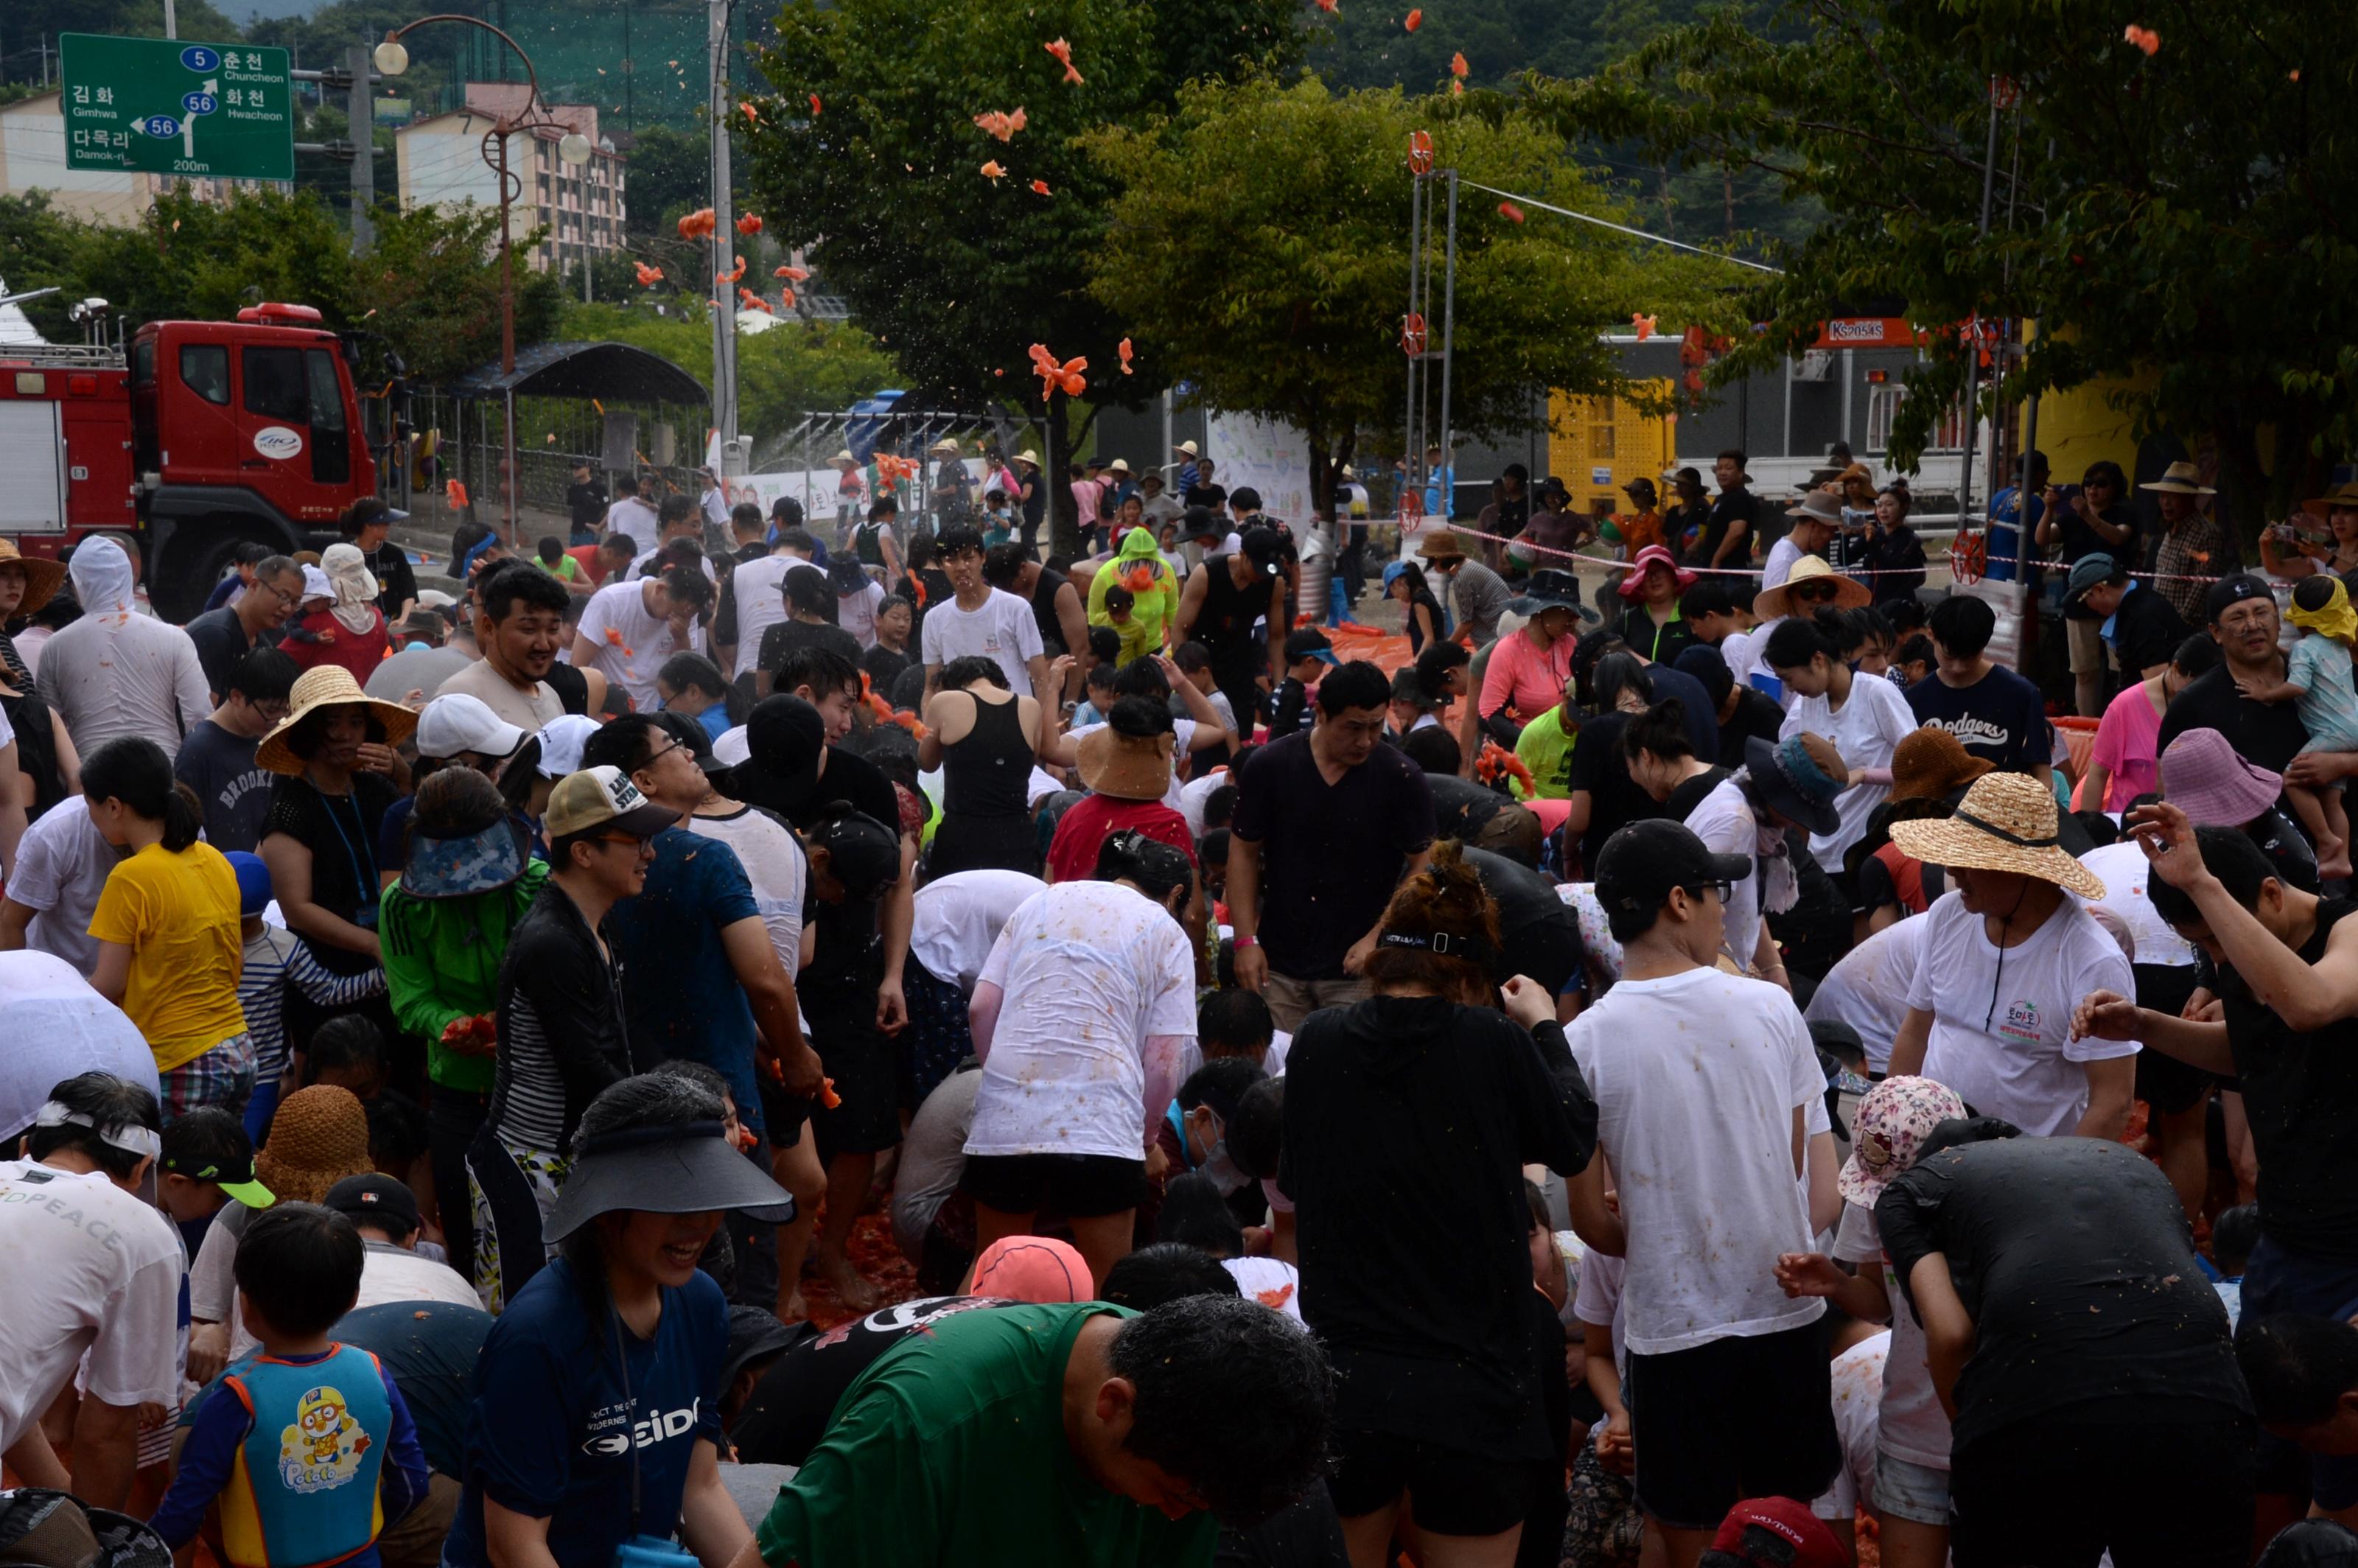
1241	943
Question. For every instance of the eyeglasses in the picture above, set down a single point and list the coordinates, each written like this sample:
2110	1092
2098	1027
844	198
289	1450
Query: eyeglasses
632	840
1724	890
667	750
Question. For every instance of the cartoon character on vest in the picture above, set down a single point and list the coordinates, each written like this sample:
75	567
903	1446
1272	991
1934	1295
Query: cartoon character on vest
322	1449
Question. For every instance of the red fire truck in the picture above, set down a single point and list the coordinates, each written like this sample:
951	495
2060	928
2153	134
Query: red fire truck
202	436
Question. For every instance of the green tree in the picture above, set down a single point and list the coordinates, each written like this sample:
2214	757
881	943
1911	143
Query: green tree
1258	251
2174	217
782	373
958	274
431	285
36	252
670	173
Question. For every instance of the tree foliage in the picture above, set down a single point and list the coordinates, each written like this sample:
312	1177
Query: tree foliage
1258	251
430	287
782	373
956	274
670	173
2179	217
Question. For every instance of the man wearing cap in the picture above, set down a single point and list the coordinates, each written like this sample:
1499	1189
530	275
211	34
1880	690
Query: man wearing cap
1475	595
2241	610
1191	471
520	626
254	618
2006	958
385	1214
2141	623
1814	526
1711	1117
1220	606
701	980
366	523
559	1022
1325	826
94	1285
216	760
2193	544
2288	980
2094	1397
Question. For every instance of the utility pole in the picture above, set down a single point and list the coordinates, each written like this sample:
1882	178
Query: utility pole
171	21
362	134
724	246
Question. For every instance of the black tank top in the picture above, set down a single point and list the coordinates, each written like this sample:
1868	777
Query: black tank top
1053	576
1224	626
989	773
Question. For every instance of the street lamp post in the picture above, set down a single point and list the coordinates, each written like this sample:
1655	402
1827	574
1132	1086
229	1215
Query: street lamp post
393	60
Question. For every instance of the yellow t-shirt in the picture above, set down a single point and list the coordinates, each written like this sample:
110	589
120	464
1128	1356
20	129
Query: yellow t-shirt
179	915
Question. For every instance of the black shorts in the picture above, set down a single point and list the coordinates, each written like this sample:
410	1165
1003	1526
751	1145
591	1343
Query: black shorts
2156	1493
1455	1492
782	1114
2163	1082
864	1064
1078	1186
1749	1417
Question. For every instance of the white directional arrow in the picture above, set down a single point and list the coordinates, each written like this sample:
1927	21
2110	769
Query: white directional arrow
188	122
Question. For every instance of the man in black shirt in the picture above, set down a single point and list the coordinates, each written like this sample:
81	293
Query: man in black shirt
2091	522
1739	713
1326	824
366	523
2085	1361
1995	713
2243	611
252	619
1727	540
2142	626
585	498
2287	979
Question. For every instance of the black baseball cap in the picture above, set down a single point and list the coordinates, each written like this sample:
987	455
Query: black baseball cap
377	1199
1309	643
863	853
1642	862
1260	547
234	1177
2234	588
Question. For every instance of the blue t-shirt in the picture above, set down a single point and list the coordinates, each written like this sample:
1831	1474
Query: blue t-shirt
551	1434
680	996
2000	718
428	1349
715	720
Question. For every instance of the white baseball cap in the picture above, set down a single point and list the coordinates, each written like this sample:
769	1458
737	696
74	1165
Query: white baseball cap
561	740
456	722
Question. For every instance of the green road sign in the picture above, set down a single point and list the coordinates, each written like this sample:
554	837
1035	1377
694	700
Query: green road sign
167	106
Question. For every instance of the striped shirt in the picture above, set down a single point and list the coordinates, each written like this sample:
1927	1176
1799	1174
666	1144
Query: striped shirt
562	1038
275	959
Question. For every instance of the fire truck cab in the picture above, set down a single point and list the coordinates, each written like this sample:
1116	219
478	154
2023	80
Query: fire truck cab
203	436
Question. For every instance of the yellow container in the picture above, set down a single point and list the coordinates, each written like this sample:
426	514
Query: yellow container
1597	445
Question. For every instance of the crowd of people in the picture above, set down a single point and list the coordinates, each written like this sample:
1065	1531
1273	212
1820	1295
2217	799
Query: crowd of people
1524	1106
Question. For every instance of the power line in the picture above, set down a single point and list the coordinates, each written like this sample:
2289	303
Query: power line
1621	228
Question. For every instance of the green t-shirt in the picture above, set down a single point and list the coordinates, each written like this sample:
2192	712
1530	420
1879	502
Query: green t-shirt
950	1449
1546	750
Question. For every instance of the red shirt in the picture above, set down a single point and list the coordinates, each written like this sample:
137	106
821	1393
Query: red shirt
1082	831
320	639
593	568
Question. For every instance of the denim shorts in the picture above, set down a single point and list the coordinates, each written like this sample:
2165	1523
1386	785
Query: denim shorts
1905	1489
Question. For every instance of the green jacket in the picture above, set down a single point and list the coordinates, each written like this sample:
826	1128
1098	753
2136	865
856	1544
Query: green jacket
442	963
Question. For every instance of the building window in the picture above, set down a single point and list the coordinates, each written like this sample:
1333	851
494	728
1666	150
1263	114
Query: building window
1883	405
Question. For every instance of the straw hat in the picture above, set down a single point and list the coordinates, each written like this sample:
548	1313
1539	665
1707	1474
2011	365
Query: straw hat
2179	479
1931	763
844	457
946	444
1849	592
2341	498
1190	449
2008	823
1028	455
1441	547
1126	767
318	1137
42	576
328	686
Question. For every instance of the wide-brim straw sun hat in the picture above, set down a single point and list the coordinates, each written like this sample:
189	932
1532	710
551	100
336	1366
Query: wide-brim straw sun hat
2007	822
328	686
1849	592
42	576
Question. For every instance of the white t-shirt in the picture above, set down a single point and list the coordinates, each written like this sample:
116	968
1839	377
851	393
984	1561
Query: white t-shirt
634	517
1912	1424
856	613
1858	1389
1002	629
1194	792
1867	988
1090	971
959	918
1696	1078
631	644
1869	725
759	587
388	1273
1724	821
1272	1281
2021	1064
91	1270
777	867
59	1027
1782	557
2125	870
62	864
1598	1300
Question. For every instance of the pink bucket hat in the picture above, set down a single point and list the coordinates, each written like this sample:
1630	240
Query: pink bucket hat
1633	583
1894	1119
1038	1269
2202	776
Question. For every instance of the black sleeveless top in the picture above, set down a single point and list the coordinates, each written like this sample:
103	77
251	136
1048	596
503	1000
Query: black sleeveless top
1224	626
989	773
1054	574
